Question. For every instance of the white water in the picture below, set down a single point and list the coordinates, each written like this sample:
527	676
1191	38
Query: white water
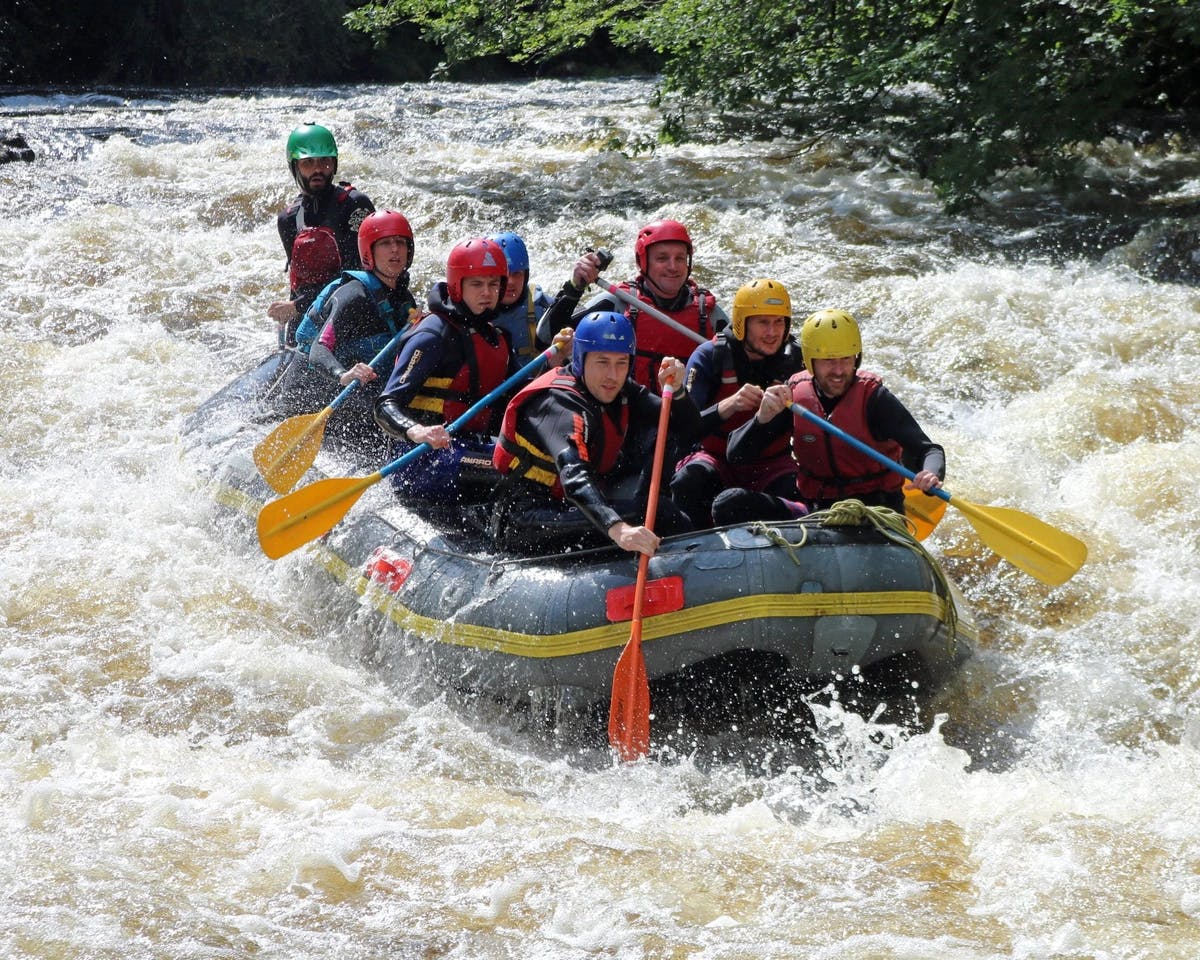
195	763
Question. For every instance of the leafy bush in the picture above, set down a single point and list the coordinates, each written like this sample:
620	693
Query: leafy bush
964	90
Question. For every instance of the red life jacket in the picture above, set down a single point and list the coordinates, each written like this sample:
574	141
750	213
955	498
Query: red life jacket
484	369
518	455
315	258
656	340
717	441
830	469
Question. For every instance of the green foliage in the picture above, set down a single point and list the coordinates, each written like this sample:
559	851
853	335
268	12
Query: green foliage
523	31
967	90
963	91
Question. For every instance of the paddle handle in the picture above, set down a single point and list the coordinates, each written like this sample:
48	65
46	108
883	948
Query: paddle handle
532	367
864	448
382	355
645	307
660	446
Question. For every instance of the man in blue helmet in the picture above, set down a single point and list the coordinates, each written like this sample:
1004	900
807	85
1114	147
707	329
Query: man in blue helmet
575	449
319	228
523	303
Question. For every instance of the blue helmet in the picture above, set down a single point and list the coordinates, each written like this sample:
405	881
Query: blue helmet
601	331
514	250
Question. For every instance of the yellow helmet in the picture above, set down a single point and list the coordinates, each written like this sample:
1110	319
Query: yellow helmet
829	334
767	298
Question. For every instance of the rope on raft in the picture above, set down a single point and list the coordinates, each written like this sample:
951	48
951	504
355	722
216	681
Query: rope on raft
894	526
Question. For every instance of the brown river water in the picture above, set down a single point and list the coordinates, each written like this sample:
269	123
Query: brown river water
195	762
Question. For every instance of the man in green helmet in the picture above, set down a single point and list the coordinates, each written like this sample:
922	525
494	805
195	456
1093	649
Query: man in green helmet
319	229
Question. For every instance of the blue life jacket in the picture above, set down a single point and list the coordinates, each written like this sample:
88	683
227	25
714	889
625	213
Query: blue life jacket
316	315
521	320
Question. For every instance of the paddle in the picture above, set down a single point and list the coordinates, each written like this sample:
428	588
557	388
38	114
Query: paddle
645	307
922	511
1042	551
300	517
284	455
629	709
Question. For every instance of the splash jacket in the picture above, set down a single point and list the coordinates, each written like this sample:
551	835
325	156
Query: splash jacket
339	207
353	318
694	307
521	321
449	361
719	368
557	437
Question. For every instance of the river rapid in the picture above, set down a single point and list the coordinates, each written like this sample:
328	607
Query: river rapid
195	760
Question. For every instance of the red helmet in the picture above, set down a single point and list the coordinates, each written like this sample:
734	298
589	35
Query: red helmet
476	257
657	232
378	226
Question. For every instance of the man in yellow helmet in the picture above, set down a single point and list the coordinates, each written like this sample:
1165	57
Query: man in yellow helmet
827	469
726	378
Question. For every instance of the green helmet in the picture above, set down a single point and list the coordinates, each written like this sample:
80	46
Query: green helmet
830	335
310	140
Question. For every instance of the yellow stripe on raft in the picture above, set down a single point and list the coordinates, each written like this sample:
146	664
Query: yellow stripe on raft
734	610
615	635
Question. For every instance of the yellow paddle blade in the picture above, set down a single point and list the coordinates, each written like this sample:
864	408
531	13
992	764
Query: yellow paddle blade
922	510
1045	552
310	512
286	453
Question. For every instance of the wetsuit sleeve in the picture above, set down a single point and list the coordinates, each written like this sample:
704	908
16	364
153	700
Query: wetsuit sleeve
889	419
747	442
580	487
357	207
701	382
286	224
304	296
566	312
685	422
419	358
558	424
321	356
344	304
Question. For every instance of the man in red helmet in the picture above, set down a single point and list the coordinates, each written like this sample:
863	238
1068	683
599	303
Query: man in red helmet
366	308
663	253
319	228
454	356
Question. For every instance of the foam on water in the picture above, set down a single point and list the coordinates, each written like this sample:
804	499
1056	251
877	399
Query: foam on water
198	758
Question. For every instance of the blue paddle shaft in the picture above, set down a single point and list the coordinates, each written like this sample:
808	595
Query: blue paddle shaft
864	448
524	373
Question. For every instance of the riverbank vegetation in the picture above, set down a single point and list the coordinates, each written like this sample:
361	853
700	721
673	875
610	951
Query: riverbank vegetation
973	94
965	92
174	43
